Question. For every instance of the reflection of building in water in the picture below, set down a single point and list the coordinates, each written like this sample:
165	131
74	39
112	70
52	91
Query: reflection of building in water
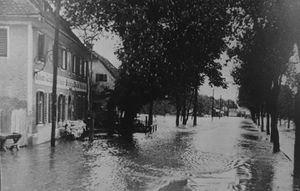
26	41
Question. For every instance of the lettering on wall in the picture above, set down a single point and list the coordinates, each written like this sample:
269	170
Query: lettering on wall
45	78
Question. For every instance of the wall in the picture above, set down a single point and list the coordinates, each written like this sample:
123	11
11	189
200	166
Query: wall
68	85
98	67
13	75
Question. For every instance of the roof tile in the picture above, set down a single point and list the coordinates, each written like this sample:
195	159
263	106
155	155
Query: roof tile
17	7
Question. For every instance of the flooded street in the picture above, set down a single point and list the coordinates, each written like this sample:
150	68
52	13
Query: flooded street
226	154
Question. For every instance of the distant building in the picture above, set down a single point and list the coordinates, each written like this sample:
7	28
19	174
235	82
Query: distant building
104	75
26	42
233	112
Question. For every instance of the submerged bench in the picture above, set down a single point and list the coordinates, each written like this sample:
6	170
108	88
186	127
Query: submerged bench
4	137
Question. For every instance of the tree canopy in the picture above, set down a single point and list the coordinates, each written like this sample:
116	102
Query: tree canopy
168	47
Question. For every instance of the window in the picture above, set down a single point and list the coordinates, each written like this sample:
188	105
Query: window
41	47
78	68
3	42
64	59
70	108
86	68
69	60
74	60
101	78
60	57
61	107
45	108
40	107
82	65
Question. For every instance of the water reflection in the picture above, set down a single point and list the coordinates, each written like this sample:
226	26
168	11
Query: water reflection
227	154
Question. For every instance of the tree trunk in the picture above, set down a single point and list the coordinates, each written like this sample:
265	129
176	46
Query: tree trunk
184	113
253	116
268	123
297	135
178	107
195	106
279	120
289	122
274	118
262	119
128	123
258	118
150	114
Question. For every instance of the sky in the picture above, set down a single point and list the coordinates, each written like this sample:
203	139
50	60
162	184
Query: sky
106	47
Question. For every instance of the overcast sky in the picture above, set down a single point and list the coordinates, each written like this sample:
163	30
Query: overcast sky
106	47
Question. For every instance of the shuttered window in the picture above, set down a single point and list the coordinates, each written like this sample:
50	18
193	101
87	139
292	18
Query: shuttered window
74	61
82	69
41	47
78	63
60	57
45	108
61	108
40	107
101	77
69	60
64	59
3	42
49	107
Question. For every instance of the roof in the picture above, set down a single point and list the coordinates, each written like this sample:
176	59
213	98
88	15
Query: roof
35	7
17	7
107	64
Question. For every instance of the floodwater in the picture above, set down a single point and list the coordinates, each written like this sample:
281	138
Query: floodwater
224	154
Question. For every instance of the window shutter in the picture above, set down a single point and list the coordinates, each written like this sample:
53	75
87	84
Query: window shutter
50	107
60	57
63	112
37	107
45	107
3	42
41	47
74	64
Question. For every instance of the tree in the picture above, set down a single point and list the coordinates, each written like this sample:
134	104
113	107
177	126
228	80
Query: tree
286	103
168	46
269	22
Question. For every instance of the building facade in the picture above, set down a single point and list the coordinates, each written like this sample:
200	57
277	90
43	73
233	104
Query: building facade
103	77
104	73
26	70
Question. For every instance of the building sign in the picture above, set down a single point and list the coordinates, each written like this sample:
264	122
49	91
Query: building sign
45	78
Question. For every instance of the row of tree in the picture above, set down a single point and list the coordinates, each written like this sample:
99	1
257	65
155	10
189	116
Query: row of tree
265	71
168	48
204	106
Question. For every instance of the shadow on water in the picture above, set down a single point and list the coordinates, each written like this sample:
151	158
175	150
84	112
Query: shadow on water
249	128
296	184
250	137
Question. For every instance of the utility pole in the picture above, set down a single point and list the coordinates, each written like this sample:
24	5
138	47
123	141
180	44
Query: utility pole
90	97
55	65
212	105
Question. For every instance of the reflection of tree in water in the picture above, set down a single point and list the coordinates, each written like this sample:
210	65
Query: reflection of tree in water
123	143
296	183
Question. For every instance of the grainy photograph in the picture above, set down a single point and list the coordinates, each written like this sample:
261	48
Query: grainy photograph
149	95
